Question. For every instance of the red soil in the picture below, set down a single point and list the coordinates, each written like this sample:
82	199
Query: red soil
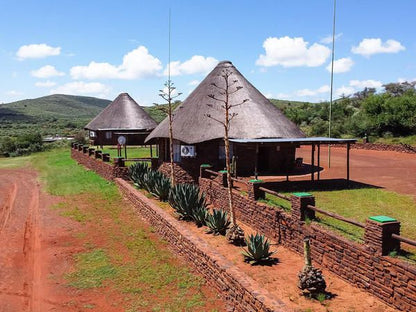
38	245
393	171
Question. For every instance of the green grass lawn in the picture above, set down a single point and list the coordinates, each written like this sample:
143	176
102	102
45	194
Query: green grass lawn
132	151
358	205
146	273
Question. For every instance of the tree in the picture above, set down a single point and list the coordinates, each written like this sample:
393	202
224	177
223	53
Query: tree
168	94
234	234
399	88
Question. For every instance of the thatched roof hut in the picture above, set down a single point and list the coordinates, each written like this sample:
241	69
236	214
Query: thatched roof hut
256	118
123	116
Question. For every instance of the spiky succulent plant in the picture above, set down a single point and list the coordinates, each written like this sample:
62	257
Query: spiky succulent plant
185	199
258	249
218	222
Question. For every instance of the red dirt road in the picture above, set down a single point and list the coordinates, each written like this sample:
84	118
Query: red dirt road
393	171
20	261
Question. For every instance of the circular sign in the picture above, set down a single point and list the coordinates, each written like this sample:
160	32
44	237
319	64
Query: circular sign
121	140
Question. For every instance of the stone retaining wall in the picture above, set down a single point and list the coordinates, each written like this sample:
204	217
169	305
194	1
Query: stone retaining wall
105	169
242	292
390	279
402	148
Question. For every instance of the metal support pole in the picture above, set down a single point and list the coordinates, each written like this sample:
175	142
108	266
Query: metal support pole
348	162
151	151
313	162
319	161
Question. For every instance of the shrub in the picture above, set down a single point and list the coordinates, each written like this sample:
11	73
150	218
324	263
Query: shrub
257	249
161	187
185	199
218	222
137	172
200	216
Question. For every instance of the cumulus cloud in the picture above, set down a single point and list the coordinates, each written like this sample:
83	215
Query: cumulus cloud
341	65
46	72
13	93
35	51
361	84
292	52
370	46
328	39
136	64
197	64
45	84
309	92
357	85
83	88
193	83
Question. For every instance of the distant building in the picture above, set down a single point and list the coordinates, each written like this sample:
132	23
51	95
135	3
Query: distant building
199	139
122	117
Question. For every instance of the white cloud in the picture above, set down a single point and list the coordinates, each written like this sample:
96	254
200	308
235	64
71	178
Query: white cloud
370	46
361	84
46	72
83	88
45	84
341	65
197	64
328	39
193	83
401	80
136	64
309	92
13	93
344	90
33	51
291	52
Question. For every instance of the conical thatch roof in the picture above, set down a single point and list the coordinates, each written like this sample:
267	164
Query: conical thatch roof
122	114
256	118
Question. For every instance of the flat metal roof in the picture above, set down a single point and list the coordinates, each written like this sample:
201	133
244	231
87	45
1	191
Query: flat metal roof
321	140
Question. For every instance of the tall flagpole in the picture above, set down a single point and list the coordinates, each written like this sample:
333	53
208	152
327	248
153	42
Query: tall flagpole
332	84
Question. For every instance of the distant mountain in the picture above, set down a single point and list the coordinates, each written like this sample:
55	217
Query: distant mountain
57	105
53	114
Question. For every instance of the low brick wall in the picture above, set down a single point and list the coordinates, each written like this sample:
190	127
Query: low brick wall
105	169
390	279
242	292
182	175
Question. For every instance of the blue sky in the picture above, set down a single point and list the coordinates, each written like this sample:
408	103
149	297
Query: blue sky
103	48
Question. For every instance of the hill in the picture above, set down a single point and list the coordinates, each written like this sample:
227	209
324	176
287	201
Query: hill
53	114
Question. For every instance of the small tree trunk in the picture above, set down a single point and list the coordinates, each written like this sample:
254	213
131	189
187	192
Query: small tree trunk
172	169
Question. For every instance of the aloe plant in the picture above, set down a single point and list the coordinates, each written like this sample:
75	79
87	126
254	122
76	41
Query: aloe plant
218	222
137	172
258	249
161	187
200	215
185	199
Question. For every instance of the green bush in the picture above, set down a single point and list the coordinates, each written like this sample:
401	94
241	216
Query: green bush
161	186
186	199
137	173
258	249
218	222
200	216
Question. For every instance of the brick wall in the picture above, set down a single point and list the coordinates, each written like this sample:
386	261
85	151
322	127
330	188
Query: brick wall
390	279
402	148
106	170
243	293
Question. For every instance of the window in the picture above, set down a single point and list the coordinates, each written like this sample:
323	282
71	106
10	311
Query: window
108	135
92	134
176	151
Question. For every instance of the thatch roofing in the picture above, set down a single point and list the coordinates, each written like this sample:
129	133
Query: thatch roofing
122	114
256	118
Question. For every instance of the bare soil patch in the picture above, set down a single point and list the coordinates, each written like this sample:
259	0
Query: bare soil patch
38	244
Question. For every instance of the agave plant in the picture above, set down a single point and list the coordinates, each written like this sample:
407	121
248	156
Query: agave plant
161	187
137	172
218	222
185	199
258	249
200	215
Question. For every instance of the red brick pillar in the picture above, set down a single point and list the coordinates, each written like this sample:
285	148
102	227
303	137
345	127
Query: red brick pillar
377	235
98	154
253	190
91	151
80	147
299	202
222	177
